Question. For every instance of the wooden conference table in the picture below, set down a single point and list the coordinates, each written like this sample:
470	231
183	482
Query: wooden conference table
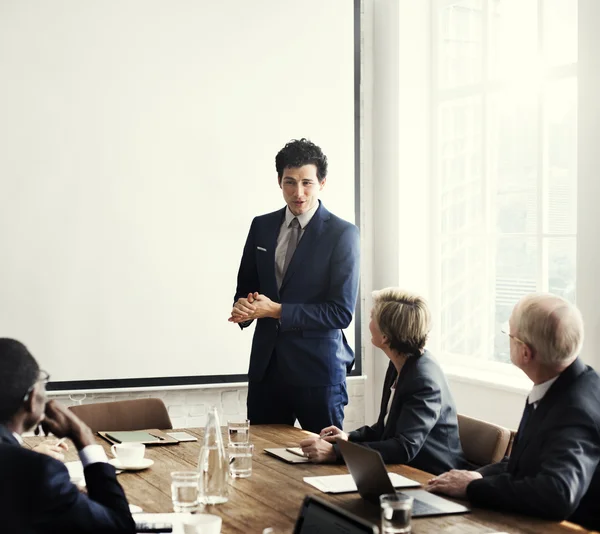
272	496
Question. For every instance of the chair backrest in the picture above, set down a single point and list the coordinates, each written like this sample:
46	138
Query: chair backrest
136	414
483	443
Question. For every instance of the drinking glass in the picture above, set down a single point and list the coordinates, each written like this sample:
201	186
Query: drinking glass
396	513
184	490
239	431
240	459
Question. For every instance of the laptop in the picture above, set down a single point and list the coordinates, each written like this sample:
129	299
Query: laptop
318	515
371	478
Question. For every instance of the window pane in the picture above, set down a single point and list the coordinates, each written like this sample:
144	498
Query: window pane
513	161
460	170
561	254
560	110
460	24
516	275
506	164
513	38
463	310
559	32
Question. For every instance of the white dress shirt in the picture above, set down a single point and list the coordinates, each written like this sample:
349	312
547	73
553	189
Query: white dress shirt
539	390
283	238
92	454
390	401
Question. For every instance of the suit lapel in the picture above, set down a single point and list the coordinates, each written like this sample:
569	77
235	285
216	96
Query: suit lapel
305	248
566	378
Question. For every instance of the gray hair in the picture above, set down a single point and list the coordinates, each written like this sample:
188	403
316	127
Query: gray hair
551	325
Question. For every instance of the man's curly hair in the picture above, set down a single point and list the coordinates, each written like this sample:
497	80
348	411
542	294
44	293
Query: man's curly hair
299	152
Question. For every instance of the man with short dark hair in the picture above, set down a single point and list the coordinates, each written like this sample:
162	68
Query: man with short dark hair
299	278
554	468
36	494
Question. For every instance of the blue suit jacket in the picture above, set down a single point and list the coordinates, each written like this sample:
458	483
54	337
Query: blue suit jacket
554	468
37	496
318	295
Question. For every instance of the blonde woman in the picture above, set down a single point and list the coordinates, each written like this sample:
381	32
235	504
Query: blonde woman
417	424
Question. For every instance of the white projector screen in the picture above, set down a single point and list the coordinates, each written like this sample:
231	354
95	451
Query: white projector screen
138	142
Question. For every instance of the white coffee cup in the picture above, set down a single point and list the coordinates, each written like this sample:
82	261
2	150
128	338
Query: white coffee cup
202	524
129	453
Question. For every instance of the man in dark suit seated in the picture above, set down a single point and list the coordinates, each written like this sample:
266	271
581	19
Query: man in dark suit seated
36	494
554	469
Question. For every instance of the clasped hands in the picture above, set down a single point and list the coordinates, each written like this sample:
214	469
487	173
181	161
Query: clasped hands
318	448
255	306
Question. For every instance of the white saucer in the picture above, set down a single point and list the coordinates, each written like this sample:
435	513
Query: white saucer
144	464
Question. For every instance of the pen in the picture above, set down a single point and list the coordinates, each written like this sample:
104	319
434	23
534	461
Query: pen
60	441
330	433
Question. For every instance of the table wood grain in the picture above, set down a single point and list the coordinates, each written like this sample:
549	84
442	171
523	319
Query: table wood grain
272	496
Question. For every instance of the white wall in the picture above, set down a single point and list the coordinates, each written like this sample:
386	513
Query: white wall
400	140
588	195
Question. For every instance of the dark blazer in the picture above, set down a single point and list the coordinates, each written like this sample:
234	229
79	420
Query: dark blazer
37	496
422	428
318	295
554	468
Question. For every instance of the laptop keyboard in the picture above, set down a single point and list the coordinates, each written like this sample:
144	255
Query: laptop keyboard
422	508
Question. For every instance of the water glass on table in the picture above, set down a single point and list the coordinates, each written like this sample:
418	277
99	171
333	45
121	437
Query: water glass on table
239	431
184	490
396	513
240	459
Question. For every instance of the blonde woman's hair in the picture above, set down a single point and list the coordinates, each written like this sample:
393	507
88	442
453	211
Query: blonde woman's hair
551	325
403	318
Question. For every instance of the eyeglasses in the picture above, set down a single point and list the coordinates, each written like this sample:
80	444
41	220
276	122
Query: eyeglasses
44	378
505	329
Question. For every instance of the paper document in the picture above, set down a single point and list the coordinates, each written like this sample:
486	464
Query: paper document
345	483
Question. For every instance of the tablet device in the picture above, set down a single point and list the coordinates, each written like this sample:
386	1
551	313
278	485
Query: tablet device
182	436
319	515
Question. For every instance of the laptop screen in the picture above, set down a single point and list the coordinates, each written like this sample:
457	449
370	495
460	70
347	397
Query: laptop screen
320	517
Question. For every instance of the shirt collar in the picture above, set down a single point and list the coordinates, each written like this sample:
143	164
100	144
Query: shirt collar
18	438
303	219
539	390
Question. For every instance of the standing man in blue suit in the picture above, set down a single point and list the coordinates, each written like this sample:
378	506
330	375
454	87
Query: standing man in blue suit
299	279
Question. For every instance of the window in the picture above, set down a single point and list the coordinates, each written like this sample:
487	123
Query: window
504	103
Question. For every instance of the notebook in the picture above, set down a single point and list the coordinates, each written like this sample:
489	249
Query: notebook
346	484
287	456
147	437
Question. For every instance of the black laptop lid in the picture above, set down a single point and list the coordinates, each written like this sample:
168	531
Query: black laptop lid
319	516
370	475
367	469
